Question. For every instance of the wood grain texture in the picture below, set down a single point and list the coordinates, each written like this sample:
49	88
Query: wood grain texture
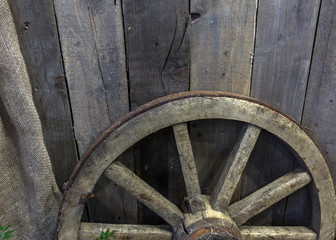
188	167
283	48
158	64
108	33
91	35
319	114
157	48
277	233
268	195
134	185
271	159
221	44
232	173
37	33
89	231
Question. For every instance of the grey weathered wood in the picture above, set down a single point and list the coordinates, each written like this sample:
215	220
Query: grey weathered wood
107	24
157	48
234	168
268	195
283	48
221	44
188	166
190	106
94	61
108	33
157	42
37	34
89	231
276	233
319	114
86	85
134	185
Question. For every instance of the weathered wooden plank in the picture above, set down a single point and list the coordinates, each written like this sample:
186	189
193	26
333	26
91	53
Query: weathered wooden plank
188	166
319	114
157	48
268	195
276	233
134	185
234	168
86	86
283	48
108	32
158	63
94	60
89	231
37	33
221	44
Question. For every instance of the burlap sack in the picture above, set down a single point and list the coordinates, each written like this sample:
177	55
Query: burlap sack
29	196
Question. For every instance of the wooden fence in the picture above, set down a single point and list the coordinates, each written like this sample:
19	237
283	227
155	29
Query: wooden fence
92	61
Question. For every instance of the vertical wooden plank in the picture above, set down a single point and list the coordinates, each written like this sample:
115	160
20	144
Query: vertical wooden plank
106	18
36	27
91	35
284	42
221	44
157	53
319	115
319	112
157	48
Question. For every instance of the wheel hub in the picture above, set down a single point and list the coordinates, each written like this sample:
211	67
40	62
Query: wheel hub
218	229
210	224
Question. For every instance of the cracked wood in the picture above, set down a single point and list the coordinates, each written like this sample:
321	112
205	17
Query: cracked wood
157	43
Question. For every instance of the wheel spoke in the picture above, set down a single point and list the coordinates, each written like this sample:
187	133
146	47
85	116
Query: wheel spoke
126	179
227	183
276	233
188	167
268	195
89	231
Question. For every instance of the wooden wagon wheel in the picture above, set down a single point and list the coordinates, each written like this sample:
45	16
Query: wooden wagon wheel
210	217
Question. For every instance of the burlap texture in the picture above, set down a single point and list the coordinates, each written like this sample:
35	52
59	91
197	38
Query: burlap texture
29	196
